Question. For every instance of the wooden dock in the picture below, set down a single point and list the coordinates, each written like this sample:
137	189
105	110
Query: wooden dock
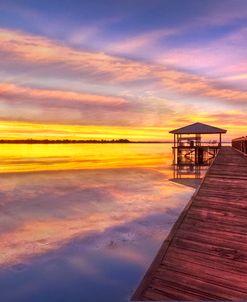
205	254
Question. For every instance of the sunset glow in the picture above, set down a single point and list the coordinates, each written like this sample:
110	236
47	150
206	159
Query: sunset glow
100	77
118	127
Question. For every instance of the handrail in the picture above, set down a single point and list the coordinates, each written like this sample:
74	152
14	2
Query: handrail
240	144
240	138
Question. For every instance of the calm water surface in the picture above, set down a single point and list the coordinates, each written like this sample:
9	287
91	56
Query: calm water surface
83	222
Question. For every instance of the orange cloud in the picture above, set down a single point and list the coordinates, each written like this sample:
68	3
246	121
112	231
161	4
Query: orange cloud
11	129
21	130
237	77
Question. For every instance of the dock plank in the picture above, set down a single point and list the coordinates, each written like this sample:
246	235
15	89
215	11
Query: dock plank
205	255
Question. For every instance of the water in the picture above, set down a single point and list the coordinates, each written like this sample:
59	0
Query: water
83	222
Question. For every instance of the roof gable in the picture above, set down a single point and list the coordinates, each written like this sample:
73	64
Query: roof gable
198	128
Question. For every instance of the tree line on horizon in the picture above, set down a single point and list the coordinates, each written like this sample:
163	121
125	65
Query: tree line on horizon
74	141
60	141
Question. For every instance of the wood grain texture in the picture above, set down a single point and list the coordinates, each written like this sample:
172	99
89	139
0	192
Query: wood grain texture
205	254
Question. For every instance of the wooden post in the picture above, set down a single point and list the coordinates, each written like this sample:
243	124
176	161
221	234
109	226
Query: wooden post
220	140
174	150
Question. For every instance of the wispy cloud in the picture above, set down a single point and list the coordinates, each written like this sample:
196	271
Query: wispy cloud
83	35
40	55
16	93
129	45
223	13
68	107
222	58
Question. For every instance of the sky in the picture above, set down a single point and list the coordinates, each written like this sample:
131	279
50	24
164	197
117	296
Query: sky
134	69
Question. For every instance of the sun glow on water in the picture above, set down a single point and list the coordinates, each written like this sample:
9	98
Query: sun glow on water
88	208
50	157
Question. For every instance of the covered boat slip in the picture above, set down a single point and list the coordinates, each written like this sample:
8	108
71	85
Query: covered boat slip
192	143
205	254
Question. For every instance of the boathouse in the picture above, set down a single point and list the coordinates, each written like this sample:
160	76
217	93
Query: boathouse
190	143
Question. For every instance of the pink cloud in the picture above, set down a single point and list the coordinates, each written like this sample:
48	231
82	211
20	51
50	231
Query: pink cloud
39	54
224	57
20	93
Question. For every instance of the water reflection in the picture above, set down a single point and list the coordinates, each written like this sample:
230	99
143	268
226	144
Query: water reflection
83	222
189	174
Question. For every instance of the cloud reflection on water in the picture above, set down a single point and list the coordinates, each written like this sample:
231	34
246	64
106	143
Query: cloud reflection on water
118	215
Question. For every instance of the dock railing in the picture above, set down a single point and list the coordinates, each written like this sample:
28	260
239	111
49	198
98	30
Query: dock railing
240	144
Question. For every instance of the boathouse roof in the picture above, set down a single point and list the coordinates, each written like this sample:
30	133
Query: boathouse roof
198	128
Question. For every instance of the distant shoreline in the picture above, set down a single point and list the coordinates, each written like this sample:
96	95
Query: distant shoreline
120	141
66	141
